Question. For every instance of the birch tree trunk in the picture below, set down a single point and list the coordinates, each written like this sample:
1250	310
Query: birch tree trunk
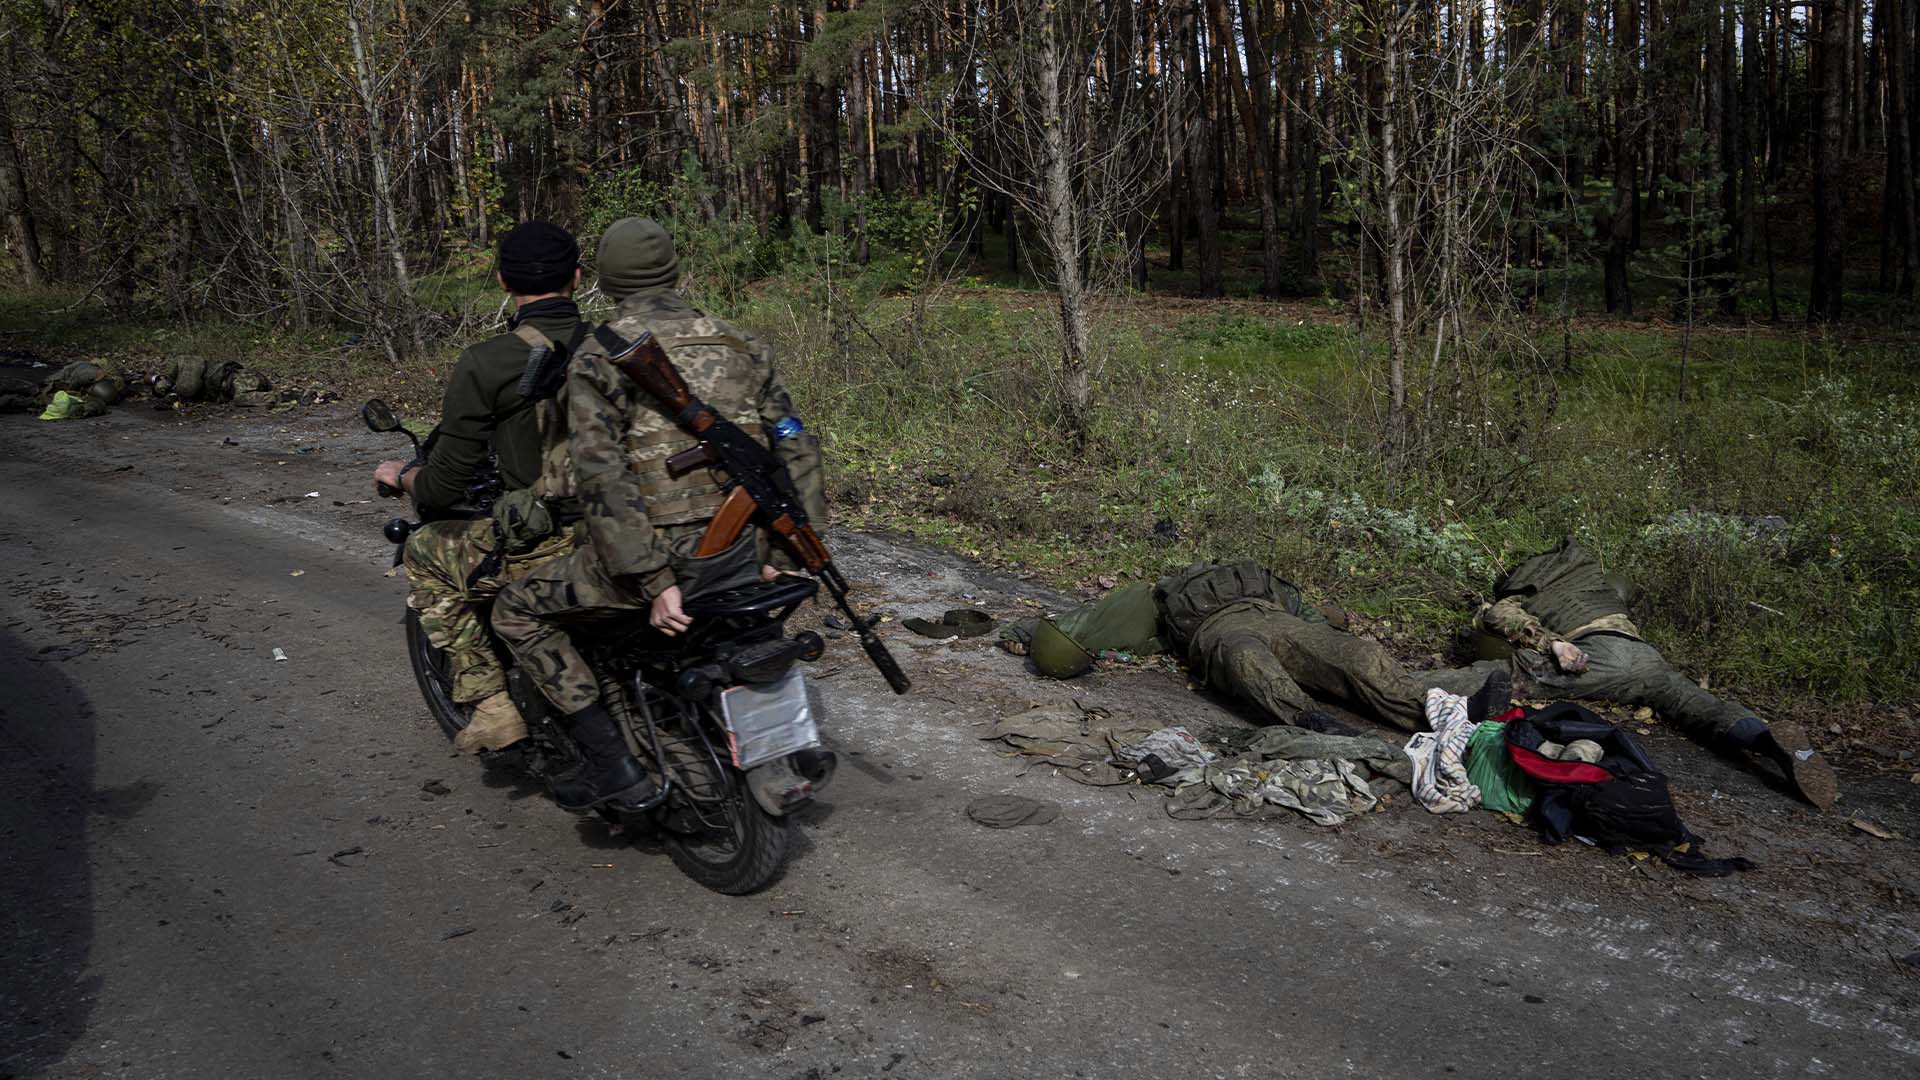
1063	228
22	240
382	193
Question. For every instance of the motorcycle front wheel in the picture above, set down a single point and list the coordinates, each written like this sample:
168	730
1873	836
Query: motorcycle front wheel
430	671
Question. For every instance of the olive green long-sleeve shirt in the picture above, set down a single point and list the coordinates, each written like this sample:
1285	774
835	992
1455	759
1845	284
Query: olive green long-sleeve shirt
483	409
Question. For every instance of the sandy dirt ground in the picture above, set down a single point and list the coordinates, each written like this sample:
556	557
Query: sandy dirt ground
218	864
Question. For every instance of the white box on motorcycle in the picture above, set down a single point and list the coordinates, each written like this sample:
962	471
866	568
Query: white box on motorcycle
768	721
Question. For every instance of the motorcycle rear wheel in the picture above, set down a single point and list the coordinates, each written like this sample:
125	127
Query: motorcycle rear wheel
745	854
430	671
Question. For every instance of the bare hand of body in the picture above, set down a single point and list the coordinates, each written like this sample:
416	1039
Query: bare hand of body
1568	657
667	617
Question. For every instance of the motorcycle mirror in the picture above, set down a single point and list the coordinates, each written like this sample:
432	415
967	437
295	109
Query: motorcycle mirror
379	417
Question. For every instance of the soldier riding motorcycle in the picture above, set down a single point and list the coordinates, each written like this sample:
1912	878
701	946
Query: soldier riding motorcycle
720	714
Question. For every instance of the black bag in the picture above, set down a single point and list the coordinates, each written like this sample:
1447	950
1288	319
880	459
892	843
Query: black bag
1622	803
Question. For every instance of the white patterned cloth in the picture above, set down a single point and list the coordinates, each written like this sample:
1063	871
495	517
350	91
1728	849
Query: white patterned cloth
1439	756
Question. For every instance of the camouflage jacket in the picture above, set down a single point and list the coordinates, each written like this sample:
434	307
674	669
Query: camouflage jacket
1558	594
620	438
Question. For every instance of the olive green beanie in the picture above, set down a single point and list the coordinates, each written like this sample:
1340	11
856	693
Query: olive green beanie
635	253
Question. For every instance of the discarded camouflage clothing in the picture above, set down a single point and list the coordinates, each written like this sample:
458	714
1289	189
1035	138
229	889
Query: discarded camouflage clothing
1082	744
442	558
1287	770
1327	792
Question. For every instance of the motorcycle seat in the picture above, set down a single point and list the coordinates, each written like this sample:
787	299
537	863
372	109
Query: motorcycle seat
758	598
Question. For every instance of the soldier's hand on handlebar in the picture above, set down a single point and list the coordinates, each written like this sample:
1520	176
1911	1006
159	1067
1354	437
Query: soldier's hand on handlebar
387	479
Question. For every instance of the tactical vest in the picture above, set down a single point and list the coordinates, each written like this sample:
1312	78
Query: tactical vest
713	365
1187	598
555	482
1565	588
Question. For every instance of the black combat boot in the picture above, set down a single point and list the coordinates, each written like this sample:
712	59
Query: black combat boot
608	771
1786	744
1323	722
1494	697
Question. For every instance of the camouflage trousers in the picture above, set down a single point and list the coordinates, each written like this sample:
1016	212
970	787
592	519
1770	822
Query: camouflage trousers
441	558
1628	671
1259	653
539	615
533	617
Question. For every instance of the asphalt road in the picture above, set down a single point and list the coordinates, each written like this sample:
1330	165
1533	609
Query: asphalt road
220	864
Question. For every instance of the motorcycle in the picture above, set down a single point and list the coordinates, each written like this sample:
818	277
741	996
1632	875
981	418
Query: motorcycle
719	714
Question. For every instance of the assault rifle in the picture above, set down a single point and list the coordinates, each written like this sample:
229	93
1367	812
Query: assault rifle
762	487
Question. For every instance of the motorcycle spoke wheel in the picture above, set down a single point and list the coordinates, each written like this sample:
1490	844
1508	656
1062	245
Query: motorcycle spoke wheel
738	848
430	671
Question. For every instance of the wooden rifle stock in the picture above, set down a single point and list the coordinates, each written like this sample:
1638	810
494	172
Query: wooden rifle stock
647	365
733	518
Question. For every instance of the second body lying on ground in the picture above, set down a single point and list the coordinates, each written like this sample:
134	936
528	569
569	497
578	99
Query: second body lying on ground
1573	637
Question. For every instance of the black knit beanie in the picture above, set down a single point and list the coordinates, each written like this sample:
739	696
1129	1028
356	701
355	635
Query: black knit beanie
538	257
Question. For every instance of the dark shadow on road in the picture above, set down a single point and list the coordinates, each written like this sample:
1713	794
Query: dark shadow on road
46	890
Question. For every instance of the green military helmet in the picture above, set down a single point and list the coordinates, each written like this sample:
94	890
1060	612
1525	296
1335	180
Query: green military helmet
1056	655
107	389
1484	644
1621	587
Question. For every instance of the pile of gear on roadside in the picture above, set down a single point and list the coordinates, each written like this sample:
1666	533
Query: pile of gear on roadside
1558	629
88	388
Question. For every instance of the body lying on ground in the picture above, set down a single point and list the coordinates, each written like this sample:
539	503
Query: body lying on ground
195	378
1572	636
79	389
1245	632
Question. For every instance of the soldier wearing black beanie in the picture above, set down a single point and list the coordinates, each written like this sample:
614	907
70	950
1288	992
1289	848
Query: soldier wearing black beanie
483	413
538	257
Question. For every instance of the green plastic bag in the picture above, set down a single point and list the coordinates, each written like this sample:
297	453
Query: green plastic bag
1504	786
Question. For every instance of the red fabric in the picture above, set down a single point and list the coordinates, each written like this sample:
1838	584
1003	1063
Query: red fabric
1557	772
1509	716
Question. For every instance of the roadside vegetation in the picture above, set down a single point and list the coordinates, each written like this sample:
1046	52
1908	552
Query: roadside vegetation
1771	520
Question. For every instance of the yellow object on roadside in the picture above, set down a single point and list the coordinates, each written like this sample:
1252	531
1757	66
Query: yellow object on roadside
65	406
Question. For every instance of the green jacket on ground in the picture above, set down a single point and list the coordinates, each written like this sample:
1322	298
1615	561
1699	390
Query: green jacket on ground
483	410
